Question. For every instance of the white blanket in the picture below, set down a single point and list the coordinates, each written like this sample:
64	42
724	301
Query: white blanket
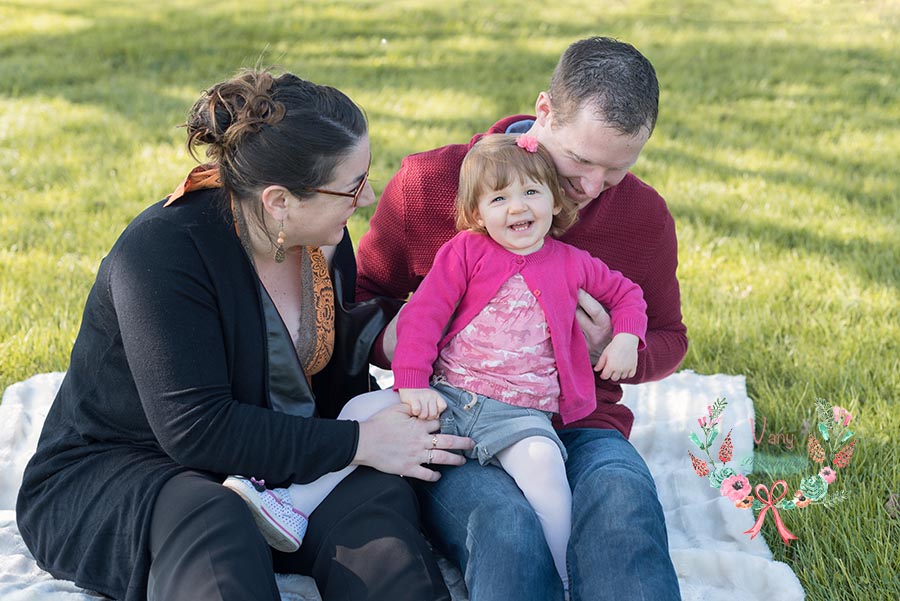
713	558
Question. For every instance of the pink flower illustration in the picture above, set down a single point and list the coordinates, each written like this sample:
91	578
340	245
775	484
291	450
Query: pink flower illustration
841	414
828	474
745	503
801	500
735	487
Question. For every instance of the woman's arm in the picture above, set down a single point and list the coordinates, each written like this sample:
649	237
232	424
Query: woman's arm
173	330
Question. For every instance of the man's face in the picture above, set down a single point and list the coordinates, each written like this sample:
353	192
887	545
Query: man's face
589	155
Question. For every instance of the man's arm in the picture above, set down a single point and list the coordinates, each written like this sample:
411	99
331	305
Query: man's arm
386	344
383	265
666	333
666	340
383	257
415	216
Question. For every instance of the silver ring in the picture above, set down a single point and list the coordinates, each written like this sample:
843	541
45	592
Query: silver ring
434	441
430	456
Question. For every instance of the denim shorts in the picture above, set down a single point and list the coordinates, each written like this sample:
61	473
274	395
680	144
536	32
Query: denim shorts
492	424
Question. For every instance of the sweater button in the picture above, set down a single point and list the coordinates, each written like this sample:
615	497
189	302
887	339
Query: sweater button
537	292
520	260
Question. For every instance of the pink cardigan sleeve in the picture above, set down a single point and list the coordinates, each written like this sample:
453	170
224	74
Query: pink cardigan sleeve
425	317
623	298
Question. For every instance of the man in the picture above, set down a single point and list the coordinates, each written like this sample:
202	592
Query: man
595	119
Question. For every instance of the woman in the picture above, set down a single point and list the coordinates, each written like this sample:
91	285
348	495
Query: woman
228	300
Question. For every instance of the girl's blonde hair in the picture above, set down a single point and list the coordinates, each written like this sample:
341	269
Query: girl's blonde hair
491	164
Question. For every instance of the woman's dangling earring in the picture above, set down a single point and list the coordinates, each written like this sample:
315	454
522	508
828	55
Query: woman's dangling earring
279	245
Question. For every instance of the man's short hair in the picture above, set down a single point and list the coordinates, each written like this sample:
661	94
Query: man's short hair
612	78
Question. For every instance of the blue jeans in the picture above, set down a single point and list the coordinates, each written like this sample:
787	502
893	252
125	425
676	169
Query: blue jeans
477	517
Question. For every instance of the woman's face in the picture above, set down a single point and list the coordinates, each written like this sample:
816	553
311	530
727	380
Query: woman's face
319	220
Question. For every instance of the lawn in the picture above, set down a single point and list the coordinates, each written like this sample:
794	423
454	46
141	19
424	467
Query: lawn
776	150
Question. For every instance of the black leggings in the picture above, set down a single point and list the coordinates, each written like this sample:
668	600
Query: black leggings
363	544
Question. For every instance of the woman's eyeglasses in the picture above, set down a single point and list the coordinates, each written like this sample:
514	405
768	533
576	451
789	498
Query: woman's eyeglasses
354	195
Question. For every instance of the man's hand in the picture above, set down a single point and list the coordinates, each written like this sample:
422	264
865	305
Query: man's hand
594	322
424	403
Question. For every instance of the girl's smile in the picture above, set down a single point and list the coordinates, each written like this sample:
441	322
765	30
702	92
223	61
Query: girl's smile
517	216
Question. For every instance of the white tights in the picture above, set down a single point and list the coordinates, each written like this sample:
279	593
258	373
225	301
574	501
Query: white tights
537	466
306	497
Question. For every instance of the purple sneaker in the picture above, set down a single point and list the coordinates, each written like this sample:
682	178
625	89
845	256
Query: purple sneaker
282	526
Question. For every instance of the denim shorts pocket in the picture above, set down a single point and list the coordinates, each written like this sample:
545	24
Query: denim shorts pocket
448	422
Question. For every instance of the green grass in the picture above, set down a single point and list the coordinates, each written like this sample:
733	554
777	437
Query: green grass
776	150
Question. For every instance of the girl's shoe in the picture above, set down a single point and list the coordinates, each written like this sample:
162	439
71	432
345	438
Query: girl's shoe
282	526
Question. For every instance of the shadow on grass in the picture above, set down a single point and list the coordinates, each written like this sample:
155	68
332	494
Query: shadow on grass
876	262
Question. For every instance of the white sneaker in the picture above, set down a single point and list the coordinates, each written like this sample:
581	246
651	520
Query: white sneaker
282	526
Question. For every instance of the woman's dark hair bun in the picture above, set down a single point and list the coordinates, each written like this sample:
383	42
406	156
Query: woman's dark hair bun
231	110
263	130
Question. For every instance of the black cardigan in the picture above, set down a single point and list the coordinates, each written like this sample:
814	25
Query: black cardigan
168	373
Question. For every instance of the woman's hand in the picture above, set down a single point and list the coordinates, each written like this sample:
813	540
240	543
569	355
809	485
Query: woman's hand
396	442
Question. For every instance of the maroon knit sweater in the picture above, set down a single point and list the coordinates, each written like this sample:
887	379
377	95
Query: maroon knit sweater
628	226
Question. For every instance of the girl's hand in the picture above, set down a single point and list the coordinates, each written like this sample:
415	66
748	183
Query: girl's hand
424	403
395	442
618	360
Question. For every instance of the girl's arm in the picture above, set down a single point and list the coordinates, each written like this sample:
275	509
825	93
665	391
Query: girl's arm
425	318
623	298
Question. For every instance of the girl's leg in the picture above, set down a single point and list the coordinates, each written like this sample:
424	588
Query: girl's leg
306	497
537	466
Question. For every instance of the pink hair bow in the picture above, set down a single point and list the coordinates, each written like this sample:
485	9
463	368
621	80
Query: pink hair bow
527	142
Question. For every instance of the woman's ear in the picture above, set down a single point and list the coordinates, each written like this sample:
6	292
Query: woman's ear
275	201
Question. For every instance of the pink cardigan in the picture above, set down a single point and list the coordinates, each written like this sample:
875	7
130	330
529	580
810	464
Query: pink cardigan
467	273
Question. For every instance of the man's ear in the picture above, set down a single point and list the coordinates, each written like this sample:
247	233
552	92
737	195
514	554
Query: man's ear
543	109
275	201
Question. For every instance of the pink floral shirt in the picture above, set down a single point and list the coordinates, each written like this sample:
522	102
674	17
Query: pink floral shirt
505	352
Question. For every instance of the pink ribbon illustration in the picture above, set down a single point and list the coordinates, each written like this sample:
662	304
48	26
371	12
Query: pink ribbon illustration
768	504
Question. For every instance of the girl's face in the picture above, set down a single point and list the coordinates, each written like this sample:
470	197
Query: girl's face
518	216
